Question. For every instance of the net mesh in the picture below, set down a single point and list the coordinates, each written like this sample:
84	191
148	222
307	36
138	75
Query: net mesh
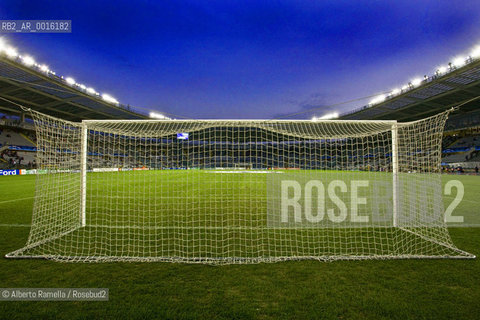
223	192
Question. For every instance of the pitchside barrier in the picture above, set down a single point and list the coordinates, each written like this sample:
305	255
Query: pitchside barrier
18	172
360	190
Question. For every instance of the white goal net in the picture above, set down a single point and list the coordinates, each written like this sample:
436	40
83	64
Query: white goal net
238	191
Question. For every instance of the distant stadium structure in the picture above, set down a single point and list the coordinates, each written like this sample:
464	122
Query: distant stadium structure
24	81
456	83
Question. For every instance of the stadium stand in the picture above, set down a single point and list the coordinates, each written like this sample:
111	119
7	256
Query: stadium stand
475	157
463	152
462	149
457	84
17	144
456	158
463	121
466	142
17	150
11	137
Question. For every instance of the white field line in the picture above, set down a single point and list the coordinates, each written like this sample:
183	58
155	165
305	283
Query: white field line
243	172
2	183
28	225
15	224
453	197
13	200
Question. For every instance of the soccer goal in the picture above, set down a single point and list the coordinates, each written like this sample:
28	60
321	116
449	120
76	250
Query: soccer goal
157	190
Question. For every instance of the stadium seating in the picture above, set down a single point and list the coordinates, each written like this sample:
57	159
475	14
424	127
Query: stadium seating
455	158
17	148
10	137
466	142
461	121
461	148
16	139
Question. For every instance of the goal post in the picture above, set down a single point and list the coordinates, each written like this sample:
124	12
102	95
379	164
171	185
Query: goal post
170	190
394	173
83	175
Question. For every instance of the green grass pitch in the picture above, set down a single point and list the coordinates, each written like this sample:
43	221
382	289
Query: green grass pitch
390	289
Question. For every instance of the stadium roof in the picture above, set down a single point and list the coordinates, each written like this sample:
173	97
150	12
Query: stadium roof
24	82
450	86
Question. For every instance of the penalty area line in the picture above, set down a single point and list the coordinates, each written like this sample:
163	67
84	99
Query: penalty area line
8	225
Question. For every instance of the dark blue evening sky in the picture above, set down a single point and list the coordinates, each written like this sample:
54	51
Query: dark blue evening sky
247	59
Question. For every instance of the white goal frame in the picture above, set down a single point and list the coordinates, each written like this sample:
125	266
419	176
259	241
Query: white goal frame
84	155
84	158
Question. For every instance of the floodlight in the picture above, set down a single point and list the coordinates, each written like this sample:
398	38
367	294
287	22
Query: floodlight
109	98
378	99
27	60
328	116
396	91
156	115
416	81
442	69
475	52
458	62
11	52
70	81
44	68
91	90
